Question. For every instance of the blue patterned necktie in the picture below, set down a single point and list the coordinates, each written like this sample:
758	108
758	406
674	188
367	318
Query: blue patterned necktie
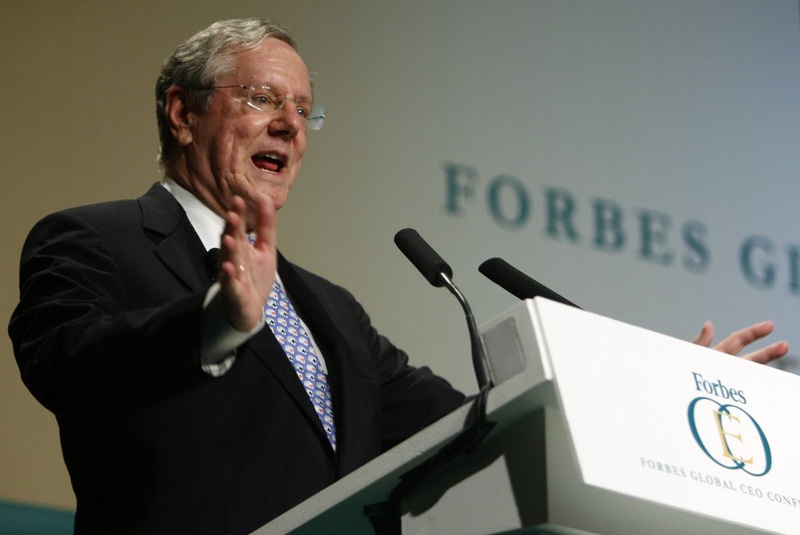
296	343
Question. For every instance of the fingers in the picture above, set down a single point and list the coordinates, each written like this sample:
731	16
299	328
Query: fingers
769	353
233	241
247	271
705	336
735	342
265	223
234	226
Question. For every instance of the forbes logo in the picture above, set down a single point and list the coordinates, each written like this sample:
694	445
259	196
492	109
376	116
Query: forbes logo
729	436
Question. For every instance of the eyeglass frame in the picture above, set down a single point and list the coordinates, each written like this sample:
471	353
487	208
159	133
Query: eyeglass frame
314	120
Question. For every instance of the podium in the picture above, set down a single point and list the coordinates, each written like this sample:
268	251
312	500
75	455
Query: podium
600	428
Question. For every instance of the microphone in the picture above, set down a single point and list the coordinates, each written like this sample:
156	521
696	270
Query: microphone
439	273
422	255
518	283
212	263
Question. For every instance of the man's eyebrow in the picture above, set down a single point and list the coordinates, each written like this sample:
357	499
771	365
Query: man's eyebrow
281	92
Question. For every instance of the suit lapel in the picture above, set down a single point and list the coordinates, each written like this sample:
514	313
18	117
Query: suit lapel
270	353
177	244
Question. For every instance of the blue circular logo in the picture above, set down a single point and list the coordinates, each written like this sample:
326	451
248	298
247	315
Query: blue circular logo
730	436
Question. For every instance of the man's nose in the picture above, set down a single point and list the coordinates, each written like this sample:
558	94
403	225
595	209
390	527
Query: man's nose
288	122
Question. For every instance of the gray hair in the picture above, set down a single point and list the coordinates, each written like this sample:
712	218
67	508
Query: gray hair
202	59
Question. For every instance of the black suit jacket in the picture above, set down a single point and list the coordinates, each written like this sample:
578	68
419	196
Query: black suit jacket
107	336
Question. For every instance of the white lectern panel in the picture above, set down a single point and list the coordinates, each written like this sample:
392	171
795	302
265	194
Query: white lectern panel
660	419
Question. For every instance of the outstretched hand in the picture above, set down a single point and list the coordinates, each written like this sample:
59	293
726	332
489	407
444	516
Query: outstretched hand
735	342
247	271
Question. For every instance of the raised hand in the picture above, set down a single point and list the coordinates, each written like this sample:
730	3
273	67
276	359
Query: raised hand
248	271
735	342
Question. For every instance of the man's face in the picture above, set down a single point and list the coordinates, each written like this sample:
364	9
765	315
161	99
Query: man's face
233	149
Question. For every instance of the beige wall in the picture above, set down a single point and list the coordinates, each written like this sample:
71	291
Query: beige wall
687	108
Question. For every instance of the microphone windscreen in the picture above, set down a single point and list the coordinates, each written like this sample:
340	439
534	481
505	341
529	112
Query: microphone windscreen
422	255
518	283
212	263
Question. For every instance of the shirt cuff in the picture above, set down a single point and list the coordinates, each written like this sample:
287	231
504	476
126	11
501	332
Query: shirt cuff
218	338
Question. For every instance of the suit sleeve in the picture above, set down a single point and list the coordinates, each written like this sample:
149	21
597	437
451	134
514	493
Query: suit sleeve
82	351
411	397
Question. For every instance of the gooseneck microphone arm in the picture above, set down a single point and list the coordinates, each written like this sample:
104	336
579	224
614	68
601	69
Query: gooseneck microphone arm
385	516
479	360
439	273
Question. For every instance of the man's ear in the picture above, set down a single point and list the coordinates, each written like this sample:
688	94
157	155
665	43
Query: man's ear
178	111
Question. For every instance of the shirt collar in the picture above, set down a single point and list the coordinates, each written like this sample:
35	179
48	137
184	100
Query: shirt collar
207	224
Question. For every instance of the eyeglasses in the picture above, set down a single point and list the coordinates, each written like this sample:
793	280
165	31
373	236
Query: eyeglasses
262	98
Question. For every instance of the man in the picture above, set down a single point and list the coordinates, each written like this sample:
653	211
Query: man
179	411
177	414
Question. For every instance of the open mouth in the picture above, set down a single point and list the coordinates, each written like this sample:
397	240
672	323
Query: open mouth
269	161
